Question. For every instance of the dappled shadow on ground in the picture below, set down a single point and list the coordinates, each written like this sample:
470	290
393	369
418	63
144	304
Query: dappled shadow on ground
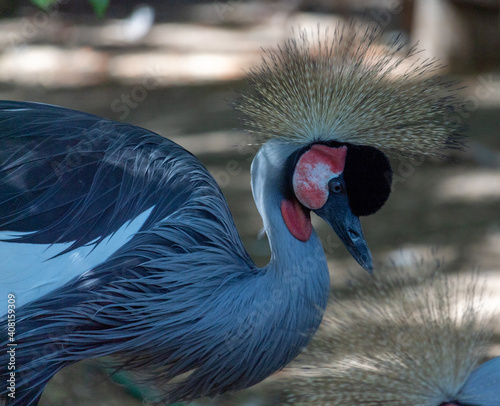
177	81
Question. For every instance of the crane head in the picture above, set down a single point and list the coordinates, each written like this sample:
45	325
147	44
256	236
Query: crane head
338	100
339	182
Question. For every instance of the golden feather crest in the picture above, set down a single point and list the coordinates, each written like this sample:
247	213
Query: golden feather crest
344	87
396	340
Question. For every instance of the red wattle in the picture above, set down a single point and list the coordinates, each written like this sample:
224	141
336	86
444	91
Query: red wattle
297	220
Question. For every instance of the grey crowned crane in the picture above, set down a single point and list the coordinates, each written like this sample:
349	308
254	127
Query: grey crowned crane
418	337
115	241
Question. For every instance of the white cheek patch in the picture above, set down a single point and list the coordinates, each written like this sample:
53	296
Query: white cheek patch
315	168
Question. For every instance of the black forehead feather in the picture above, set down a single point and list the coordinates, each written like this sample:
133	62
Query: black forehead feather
368	178
367	175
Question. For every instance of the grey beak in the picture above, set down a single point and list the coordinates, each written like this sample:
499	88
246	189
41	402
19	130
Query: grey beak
348	228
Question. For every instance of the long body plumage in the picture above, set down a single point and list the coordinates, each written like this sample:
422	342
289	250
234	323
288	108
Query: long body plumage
182	284
116	241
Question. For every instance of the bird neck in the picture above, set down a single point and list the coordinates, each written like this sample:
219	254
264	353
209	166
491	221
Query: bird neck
290	255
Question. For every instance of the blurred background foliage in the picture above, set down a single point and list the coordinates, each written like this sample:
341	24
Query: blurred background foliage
172	66
99	6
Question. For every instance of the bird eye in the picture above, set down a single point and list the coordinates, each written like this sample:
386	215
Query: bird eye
336	186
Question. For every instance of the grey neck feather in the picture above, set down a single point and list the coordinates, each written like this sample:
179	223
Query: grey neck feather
295	284
288	255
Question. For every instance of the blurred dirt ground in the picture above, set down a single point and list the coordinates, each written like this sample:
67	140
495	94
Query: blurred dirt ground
176	76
